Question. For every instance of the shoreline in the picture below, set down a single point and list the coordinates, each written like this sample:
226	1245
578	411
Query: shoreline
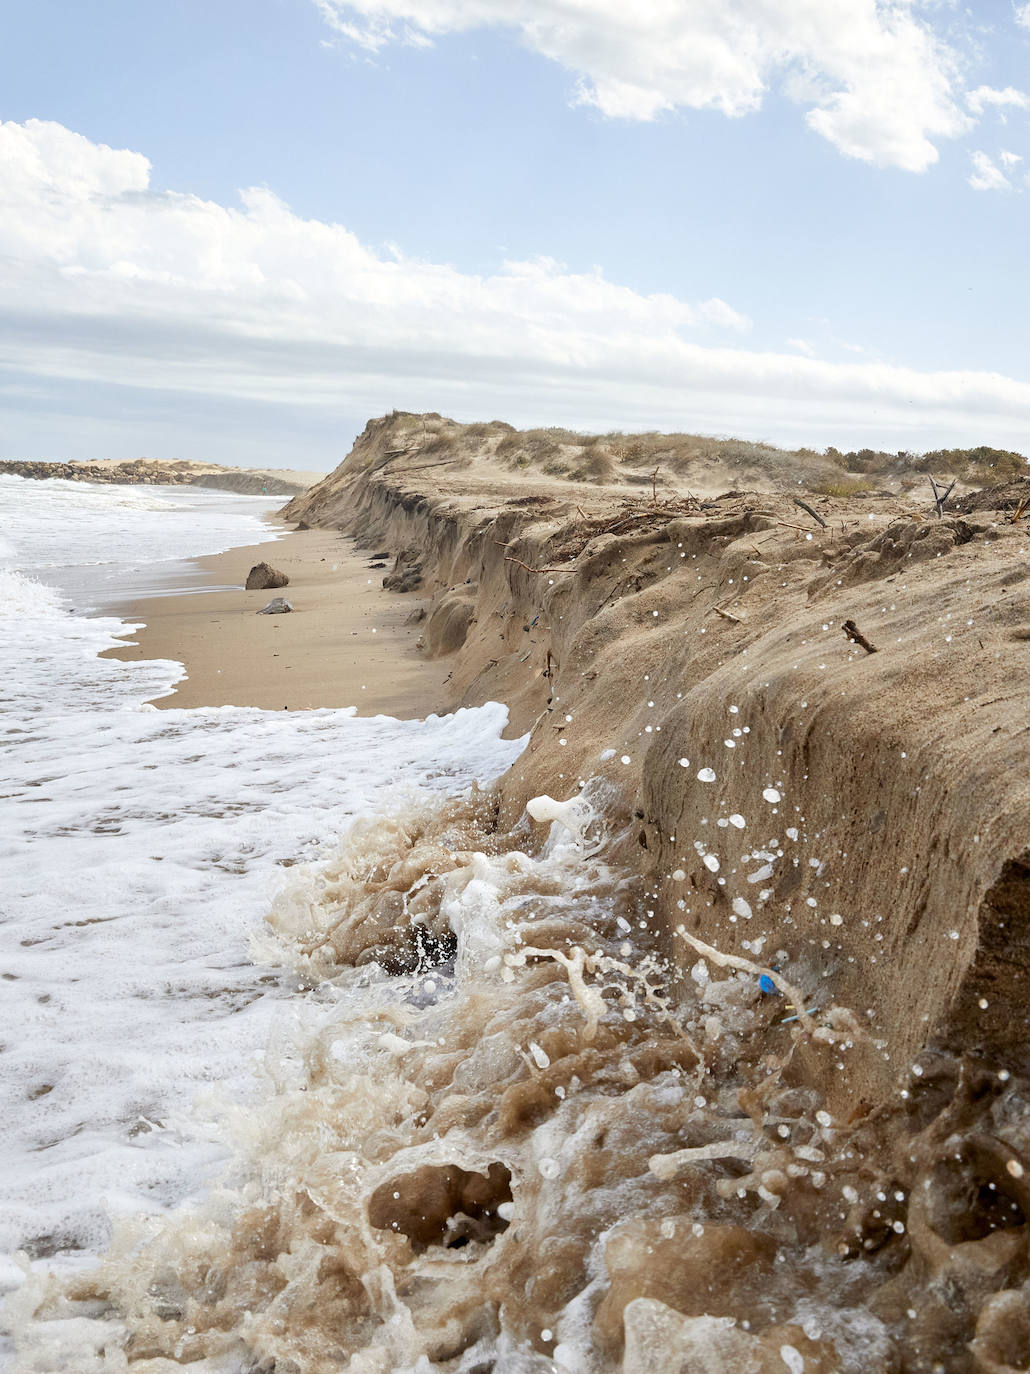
346	643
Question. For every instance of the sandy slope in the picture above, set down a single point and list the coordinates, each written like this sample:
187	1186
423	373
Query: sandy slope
905	774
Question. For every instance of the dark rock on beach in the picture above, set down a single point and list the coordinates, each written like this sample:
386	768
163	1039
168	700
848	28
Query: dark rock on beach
263	577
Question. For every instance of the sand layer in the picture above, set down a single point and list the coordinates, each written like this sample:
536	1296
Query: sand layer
345	644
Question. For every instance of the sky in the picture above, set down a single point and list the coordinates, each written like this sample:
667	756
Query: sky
236	230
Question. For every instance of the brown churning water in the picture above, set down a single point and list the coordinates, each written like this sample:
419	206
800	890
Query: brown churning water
492	1137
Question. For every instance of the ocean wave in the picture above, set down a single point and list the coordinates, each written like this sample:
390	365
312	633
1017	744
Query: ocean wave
468	1150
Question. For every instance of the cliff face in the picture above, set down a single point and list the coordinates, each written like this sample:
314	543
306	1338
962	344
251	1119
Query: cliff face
152	472
861	819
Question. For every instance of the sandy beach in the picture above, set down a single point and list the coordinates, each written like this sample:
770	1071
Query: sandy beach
346	643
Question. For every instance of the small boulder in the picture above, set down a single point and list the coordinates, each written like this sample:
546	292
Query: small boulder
263	576
277	606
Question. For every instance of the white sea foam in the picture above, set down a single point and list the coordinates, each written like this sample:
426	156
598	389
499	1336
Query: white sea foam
139	851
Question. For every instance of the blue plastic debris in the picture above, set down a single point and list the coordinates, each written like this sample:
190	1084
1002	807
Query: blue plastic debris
767	984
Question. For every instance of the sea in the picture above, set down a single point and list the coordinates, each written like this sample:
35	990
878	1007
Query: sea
140	851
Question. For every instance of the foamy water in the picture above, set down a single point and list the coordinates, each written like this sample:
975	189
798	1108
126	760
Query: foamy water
140	850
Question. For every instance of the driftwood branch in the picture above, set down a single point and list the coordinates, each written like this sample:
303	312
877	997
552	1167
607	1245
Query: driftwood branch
509	559
785	524
727	615
808	509
940	495
857	637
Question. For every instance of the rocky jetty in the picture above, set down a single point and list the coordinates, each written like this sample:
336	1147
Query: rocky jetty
153	472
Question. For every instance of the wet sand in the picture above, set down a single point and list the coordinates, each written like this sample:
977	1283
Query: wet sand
346	643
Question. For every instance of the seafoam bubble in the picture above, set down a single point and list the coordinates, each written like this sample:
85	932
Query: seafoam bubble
711	863
741	908
706	775
540	1056
770	794
737	820
575	814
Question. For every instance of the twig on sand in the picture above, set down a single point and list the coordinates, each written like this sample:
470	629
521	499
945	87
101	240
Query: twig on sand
654	484
940	495
509	559
800	528
1022	509
857	637
813	513
727	615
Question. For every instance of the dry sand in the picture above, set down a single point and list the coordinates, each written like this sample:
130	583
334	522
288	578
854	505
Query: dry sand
346	642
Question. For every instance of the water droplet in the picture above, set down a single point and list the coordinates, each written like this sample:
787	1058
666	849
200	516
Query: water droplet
540	1056
706	775
770	794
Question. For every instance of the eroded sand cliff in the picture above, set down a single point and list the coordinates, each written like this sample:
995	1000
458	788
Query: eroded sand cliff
653	624
726	1069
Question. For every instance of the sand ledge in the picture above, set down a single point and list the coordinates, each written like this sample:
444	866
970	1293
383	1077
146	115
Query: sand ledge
623	631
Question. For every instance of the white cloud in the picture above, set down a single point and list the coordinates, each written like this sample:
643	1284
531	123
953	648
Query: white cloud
801	346
1008	159
107	282
989	96
1022	13
880	83
987	175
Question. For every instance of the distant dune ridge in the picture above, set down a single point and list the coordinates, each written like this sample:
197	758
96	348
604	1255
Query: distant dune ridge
180	472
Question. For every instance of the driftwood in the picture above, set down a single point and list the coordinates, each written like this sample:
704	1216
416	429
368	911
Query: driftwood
940	495
808	509
727	615
509	559
857	637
